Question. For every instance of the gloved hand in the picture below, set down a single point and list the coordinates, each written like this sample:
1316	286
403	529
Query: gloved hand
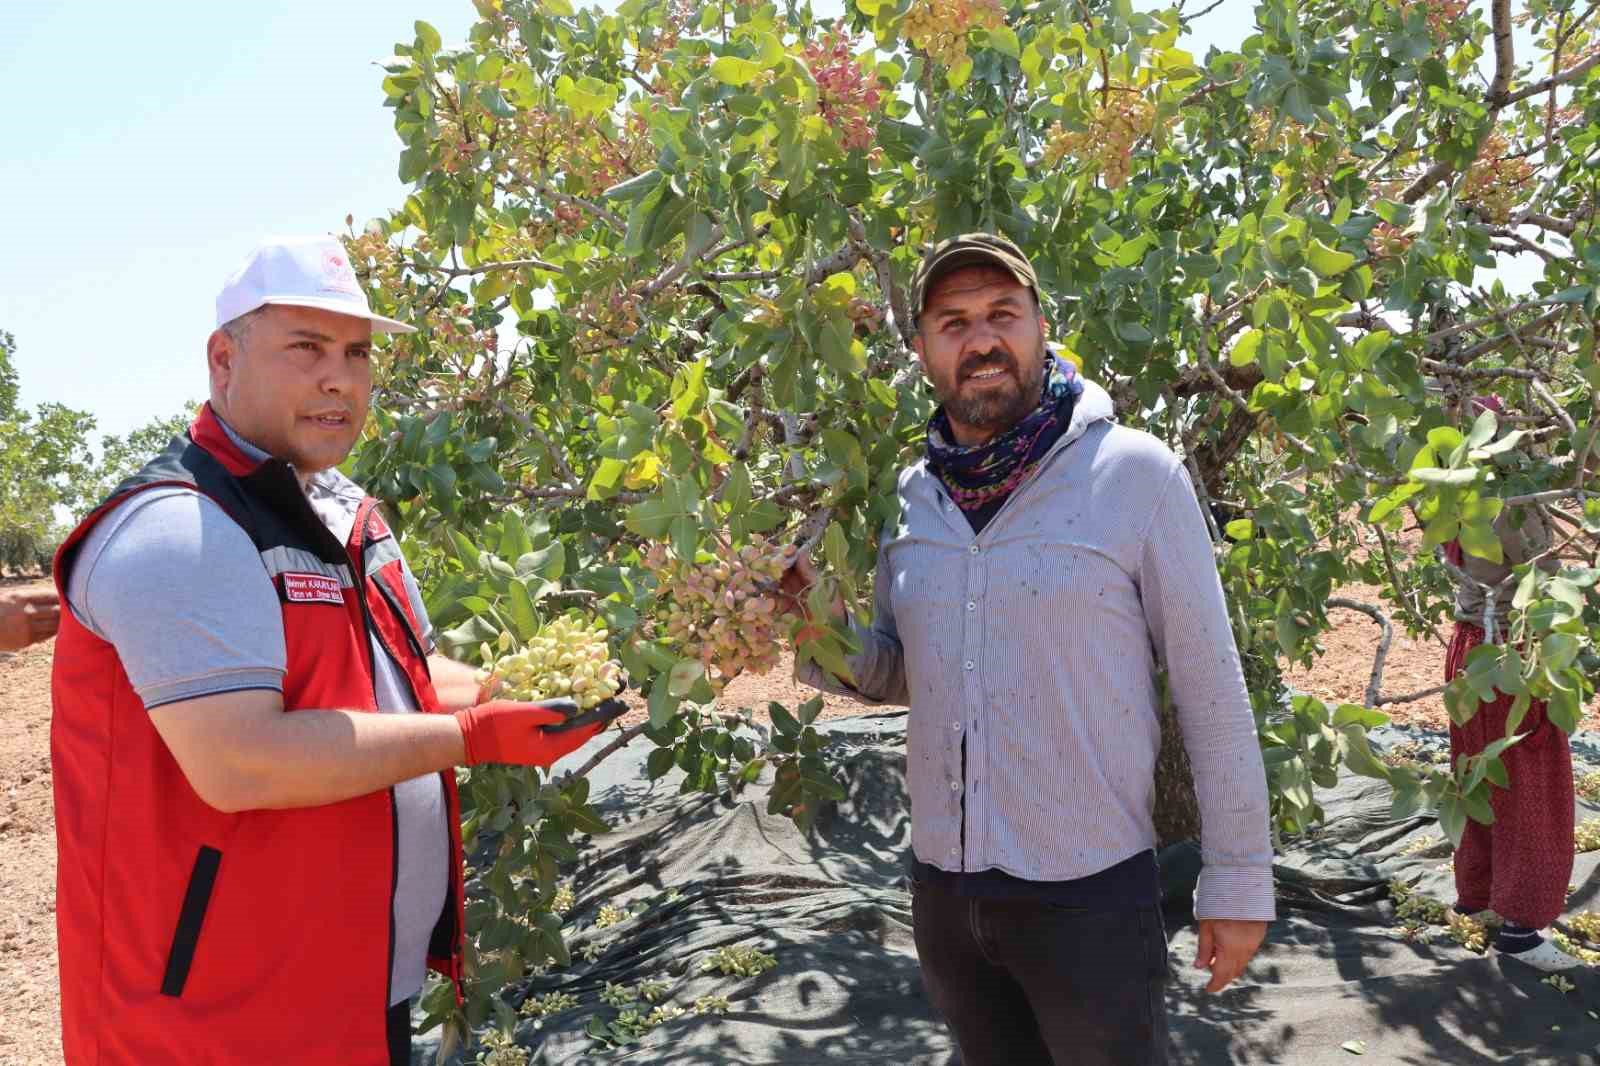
508	731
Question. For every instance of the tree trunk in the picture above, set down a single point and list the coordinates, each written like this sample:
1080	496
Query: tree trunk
1177	810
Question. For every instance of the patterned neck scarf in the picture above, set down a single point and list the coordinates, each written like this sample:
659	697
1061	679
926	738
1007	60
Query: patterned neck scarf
983	473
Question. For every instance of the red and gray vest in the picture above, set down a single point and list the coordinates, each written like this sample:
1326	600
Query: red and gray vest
189	935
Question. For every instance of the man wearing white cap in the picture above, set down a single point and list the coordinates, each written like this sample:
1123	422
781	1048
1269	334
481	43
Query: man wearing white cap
240	884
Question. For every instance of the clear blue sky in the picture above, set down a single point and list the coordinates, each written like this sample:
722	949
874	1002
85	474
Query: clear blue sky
148	146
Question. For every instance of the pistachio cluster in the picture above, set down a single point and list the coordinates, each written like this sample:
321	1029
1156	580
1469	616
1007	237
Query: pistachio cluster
940	27
723	609
1124	118
568	657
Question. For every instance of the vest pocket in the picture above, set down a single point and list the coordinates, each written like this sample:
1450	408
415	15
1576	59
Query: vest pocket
195	901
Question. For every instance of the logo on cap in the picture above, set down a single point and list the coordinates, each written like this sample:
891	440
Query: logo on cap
337	275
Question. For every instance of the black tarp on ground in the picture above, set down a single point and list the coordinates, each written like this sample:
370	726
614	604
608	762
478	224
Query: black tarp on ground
834	911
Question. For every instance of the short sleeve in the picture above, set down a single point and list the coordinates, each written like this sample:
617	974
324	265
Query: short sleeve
177	587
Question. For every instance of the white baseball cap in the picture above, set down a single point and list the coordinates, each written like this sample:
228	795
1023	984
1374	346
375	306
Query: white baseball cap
300	272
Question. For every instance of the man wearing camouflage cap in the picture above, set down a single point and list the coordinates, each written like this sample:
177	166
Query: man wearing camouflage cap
1046	564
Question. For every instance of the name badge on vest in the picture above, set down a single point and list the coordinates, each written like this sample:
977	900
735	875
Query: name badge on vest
312	588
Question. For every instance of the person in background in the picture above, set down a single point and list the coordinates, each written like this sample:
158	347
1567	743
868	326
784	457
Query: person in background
253	741
1046	564
1516	869
28	616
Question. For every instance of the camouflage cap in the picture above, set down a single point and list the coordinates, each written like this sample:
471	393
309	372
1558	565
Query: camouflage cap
969	249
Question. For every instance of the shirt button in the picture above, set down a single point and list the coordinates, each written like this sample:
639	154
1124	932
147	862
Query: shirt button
956	726
973	549
955	786
955	851
968	664
972	605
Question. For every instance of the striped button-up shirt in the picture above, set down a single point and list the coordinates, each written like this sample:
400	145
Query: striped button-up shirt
1036	644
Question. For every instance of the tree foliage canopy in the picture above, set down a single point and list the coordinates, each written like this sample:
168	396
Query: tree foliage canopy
43	464
49	472
659	260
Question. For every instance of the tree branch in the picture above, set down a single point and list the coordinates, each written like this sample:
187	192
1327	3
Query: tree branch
1494	344
1566	77
1521	244
1565	227
1450	370
1504	56
488	268
576	492
1538	389
622	740
1409	697
1375	683
609	218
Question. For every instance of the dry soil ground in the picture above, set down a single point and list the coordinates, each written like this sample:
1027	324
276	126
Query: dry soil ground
29	1023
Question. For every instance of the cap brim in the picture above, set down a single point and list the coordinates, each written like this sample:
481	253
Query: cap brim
340	307
964	257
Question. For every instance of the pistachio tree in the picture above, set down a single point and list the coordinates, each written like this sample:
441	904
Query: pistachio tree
658	257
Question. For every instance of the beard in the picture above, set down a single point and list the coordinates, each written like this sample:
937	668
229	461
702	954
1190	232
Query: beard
998	406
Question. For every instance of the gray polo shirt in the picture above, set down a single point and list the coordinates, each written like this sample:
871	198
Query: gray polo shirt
177	587
1037	641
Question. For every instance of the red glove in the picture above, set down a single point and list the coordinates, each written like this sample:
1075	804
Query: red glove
507	731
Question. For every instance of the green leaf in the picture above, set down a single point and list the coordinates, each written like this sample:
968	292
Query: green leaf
1328	262
1481	541
1366	350
523	616
1432	475
659	763
782	720
548	562
635	188
957	75
1384	507
428	38
1444	439
731	70
1483	429
822	785
607	479
1452	819
1003	39
689	389
559	8
681	678
1559	650
1243	352
736	490
466	551
663	704
1240	529
1499	447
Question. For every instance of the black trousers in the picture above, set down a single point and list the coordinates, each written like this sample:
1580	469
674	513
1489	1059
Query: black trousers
399	1026
1023	983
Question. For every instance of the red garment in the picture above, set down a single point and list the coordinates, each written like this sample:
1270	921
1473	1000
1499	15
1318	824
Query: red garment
1520	865
188	935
